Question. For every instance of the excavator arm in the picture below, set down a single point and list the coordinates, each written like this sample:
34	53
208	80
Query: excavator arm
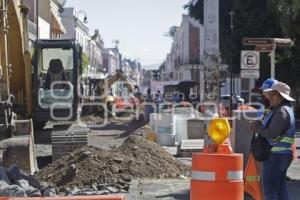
119	75
16	136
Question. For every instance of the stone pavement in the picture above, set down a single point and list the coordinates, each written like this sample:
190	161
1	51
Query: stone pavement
164	189
179	189
176	189
294	170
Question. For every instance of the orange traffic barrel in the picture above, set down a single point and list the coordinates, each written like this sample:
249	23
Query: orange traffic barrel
99	197
217	176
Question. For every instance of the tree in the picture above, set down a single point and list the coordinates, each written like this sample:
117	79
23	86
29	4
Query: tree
260	18
252	18
172	32
85	62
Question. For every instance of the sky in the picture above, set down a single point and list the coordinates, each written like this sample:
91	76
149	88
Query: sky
139	25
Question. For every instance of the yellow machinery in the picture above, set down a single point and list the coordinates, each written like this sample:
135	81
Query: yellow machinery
16	131
119	75
103	85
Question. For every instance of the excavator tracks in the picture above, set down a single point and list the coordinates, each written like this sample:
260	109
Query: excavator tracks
67	138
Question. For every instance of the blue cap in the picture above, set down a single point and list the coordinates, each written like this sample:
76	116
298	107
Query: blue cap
267	84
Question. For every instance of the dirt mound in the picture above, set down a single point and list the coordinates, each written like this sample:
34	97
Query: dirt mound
151	160
135	158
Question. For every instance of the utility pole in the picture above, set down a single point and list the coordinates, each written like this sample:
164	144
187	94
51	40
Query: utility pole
273	61
211	50
231	13
37	18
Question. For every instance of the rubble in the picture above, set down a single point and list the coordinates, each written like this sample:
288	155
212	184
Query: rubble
92	170
16	183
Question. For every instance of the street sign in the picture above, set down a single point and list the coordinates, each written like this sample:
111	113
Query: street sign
257	41
264	48
250	73
250	60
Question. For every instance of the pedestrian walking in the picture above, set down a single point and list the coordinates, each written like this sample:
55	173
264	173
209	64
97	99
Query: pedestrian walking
278	127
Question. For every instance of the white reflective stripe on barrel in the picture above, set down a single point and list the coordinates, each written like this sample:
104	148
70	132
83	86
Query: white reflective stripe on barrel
235	175
203	176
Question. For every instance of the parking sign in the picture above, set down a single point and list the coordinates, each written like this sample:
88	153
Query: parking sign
250	60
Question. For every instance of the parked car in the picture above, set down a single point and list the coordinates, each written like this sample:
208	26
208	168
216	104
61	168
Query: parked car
122	104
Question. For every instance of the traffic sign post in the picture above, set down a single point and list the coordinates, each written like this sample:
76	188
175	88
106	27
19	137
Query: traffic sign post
257	41
268	45
250	60
250	64
250	73
264	48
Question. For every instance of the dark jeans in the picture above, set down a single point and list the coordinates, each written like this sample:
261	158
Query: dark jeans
274	176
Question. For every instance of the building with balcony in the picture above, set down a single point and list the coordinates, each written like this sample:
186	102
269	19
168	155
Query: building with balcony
76	28
44	19
96	47
111	60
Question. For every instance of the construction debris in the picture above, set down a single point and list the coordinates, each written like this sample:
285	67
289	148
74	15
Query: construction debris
16	183
91	170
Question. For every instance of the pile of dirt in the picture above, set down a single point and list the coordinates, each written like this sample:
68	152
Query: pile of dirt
150	160
135	158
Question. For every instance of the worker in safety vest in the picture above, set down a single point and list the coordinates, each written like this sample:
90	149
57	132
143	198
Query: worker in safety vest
267	84
278	127
252	173
110	100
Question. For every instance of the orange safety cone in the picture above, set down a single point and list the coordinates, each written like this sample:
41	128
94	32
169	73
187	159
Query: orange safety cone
252	179
217	172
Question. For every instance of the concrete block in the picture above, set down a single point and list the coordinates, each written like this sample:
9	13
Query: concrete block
241	135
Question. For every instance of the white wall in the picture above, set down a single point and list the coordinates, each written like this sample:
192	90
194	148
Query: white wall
185	39
81	30
44	29
236	84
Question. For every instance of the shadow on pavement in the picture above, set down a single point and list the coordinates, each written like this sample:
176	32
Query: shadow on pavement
181	195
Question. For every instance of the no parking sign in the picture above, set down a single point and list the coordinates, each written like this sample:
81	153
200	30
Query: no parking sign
250	64
250	60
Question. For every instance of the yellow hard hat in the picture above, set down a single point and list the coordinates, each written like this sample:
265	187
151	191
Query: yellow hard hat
219	130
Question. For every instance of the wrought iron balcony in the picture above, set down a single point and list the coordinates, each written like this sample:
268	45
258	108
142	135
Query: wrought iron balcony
32	27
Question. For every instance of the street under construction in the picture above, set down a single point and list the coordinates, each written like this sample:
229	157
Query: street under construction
65	134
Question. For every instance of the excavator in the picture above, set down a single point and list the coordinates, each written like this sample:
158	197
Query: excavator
45	91
57	92
16	128
102	86
31	96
